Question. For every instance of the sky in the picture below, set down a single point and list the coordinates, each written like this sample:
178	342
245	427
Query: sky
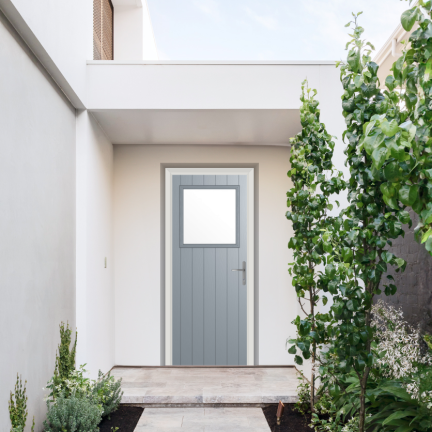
266	29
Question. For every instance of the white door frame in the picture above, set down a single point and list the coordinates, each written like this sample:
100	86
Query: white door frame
249	172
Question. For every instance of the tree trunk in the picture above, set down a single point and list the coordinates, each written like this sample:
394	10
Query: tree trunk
312	386
362	413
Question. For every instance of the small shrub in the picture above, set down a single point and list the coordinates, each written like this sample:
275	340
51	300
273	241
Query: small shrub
303	391
108	392
18	408
65	362
72	414
76	384
326	417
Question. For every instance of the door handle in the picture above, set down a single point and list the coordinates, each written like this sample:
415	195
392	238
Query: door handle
242	270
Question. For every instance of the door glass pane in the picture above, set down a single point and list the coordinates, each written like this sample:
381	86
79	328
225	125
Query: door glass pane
209	216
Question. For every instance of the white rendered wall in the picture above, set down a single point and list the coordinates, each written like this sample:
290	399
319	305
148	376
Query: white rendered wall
133	32
149	42
138	241
65	30
95	289
37	223
128	33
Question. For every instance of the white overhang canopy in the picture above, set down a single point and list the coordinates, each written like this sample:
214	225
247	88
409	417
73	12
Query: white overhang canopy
247	103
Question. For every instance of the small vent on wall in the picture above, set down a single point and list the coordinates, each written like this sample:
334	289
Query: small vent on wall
103	30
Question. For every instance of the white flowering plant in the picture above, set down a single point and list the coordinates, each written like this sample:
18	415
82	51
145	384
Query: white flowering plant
400	395
76	384
404	354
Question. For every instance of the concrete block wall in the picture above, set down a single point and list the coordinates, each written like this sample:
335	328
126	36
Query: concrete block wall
414	293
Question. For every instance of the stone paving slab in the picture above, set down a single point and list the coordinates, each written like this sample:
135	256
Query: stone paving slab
202	420
207	385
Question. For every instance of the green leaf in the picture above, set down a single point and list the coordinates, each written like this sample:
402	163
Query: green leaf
298	360
408	18
387	256
354	339
408	194
428	71
398	152
398	415
324	300
334	390
392	171
368	127
352	305
292	350
349	105
404	217
409	128
373	141
428	245
400	262
327	247
314	335
389	128
389	82
396	390
404	428
426	235
347	255
410	100
379	156
304	328
358	81
330	271
354	59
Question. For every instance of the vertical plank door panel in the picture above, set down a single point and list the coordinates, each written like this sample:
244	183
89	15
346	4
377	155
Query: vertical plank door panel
209	296
221	297
198	297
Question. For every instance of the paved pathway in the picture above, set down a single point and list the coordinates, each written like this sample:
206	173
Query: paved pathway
202	420
146	385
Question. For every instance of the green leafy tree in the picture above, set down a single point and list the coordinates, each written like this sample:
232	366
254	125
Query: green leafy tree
409	165
359	258
309	199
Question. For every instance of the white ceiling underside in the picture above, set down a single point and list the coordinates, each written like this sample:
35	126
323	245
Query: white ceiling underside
235	127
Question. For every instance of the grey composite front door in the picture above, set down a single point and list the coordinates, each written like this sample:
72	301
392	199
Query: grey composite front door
209	269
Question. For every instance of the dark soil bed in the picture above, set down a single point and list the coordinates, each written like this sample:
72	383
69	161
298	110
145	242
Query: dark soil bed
125	418
291	420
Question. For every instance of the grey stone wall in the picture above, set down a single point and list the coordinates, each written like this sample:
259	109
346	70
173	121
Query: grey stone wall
414	294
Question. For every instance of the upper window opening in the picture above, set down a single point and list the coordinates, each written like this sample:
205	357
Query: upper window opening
103	30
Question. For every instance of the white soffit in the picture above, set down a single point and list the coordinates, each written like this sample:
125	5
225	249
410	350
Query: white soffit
212	126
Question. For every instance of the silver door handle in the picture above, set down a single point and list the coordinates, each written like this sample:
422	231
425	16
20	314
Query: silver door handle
242	270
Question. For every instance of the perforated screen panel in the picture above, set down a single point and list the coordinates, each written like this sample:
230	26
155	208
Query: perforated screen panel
103	30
